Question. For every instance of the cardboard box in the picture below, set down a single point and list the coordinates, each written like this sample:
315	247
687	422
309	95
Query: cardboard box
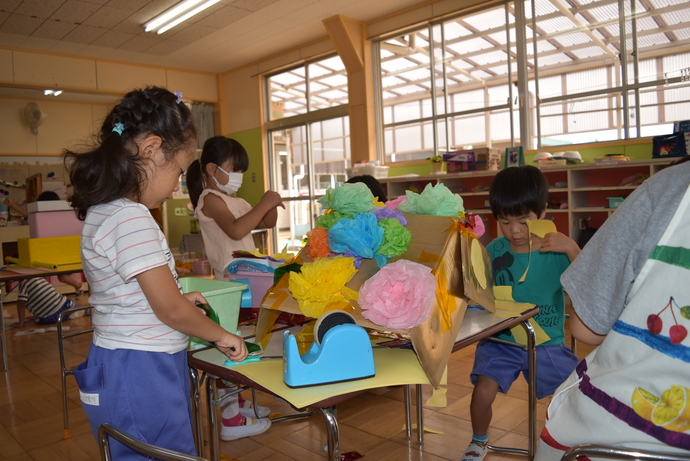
485	158
434	244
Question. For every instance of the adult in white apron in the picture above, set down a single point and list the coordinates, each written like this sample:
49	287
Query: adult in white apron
631	283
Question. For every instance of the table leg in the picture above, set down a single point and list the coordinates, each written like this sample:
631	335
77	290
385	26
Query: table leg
329	416
2	337
408	416
532	364
532	398
420	415
213	427
196	411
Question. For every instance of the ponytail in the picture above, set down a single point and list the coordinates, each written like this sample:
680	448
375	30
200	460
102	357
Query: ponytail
195	182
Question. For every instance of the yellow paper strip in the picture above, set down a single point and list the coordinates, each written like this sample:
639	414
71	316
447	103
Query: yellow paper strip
438	398
478	267
426	429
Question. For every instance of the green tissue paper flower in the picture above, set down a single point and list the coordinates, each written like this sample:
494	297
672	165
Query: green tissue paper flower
349	199
327	220
396	237
435	200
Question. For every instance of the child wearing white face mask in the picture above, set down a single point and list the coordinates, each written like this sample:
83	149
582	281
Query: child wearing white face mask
226	223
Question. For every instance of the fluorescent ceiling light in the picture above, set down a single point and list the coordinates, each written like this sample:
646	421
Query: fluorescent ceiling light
47	92
57	93
177	14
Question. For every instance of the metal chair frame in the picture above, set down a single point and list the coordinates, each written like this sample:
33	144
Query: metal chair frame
106	430
608	452
63	368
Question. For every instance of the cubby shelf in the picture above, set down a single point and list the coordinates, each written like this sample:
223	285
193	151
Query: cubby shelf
585	198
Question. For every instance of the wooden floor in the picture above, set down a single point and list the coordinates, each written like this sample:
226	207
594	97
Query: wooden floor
31	422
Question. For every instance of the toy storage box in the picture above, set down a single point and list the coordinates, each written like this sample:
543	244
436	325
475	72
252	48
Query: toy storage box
223	297
52	219
259	284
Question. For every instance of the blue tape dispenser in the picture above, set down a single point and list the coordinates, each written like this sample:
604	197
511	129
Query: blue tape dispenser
341	352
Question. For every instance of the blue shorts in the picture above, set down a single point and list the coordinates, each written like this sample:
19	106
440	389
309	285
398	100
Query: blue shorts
503	364
53	318
144	394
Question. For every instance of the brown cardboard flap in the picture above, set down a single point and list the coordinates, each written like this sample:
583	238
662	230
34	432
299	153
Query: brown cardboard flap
435	244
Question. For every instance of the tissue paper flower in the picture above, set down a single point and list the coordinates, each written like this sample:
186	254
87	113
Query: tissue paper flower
327	220
321	285
396	238
434	200
386	212
470	225
349	198
393	204
362	235
399	296
317	243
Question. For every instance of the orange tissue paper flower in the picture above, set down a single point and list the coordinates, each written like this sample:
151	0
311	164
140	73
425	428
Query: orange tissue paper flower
317	243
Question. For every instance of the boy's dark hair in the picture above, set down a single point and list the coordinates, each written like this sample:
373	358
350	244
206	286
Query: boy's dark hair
113	169
518	190
374	186
47	195
216	150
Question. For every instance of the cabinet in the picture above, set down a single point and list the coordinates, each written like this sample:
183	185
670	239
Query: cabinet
578	194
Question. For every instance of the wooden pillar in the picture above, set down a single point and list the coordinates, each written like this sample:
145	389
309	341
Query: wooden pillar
355	51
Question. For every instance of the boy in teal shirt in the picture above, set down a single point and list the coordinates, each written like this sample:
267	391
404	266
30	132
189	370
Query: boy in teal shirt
516	195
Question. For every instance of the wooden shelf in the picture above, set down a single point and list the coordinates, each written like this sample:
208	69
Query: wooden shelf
586	194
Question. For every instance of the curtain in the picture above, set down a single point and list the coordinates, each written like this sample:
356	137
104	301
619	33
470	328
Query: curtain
203	117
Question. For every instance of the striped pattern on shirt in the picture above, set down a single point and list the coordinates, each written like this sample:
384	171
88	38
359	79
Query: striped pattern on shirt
40	297
119	241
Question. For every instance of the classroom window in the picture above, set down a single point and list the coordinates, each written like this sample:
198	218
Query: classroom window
586	80
307	88
308	130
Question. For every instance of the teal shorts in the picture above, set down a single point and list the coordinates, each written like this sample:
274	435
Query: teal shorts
504	363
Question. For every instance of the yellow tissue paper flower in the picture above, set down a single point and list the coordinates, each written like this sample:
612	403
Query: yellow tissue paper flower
322	284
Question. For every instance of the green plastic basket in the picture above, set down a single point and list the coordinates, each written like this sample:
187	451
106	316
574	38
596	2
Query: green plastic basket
224	297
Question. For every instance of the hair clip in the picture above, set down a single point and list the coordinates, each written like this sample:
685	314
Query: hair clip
179	96
119	128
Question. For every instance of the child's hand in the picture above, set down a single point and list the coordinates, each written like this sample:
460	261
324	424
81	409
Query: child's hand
233	346
560	243
272	199
195	298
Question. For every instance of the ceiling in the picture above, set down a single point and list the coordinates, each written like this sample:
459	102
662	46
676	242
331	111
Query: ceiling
227	35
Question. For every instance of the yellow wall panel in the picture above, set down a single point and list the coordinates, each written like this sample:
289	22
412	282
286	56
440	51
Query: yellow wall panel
6	74
65	125
16	135
54	71
123	77
197	87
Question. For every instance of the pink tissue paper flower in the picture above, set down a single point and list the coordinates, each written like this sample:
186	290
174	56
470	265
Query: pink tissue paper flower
393	204
399	296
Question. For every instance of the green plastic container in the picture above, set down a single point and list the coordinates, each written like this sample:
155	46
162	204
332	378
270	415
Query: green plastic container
224	297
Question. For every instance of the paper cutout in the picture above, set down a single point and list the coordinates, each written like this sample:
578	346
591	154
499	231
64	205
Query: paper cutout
478	268
438	395
394	367
541	227
506	307
426	429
